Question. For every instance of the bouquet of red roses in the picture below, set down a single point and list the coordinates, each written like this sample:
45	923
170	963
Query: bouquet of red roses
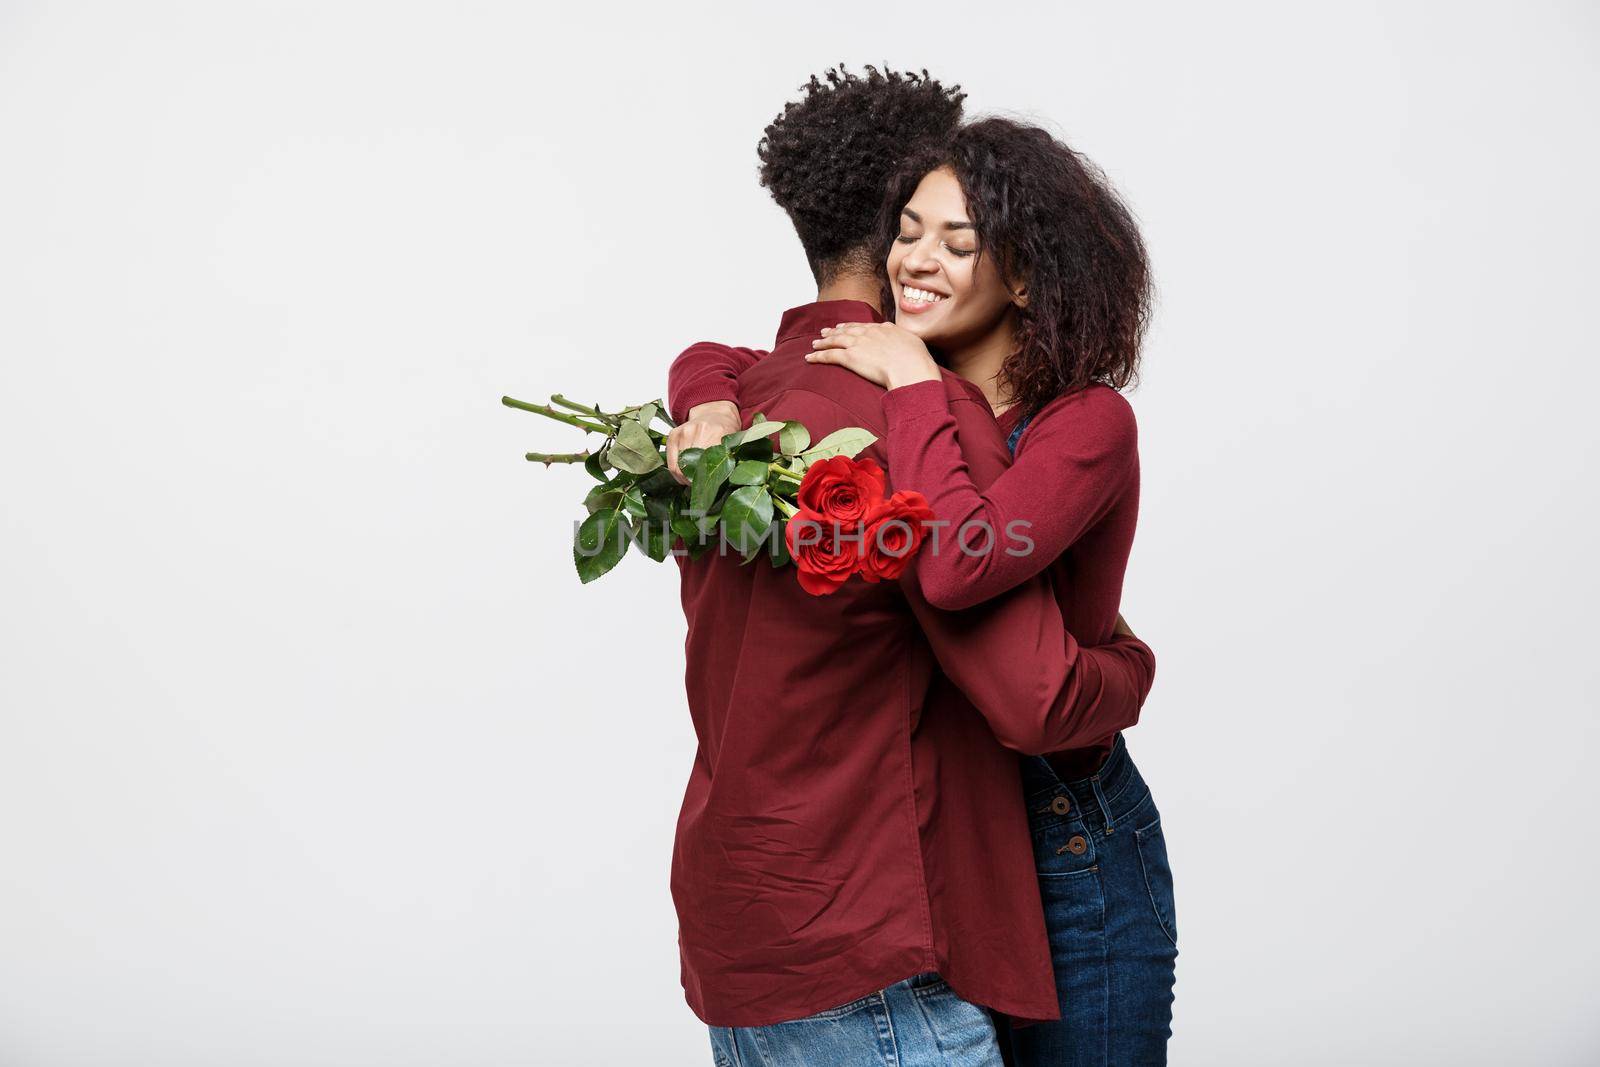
844	525
765	490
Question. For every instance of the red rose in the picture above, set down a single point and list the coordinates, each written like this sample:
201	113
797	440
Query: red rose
841	488
894	533
825	552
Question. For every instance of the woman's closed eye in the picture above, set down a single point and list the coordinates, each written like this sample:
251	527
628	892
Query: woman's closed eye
911	239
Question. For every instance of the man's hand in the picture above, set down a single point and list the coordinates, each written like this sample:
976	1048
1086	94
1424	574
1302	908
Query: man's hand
1122	628
706	425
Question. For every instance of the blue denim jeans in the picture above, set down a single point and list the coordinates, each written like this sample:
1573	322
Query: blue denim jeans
1107	893
918	1022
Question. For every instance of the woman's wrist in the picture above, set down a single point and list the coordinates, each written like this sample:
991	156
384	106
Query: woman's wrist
916	400
924	370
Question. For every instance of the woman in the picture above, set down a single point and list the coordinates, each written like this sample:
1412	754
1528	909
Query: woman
1008	255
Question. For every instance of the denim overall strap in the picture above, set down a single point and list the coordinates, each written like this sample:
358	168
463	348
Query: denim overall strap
1016	434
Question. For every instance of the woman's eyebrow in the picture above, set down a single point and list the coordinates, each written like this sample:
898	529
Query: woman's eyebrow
949	225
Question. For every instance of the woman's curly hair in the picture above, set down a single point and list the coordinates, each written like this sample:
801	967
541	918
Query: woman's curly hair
1053	222
827	158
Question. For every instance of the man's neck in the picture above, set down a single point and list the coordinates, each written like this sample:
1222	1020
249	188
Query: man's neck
850	286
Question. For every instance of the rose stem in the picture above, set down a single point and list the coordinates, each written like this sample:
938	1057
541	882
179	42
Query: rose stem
559	416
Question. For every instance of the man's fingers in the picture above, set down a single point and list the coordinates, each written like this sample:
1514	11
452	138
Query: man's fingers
705	434
673	437
696	434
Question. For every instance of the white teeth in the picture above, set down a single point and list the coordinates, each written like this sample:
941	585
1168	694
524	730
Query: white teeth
921	295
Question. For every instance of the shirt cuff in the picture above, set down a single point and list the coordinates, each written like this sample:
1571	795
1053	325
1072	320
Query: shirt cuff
917	400
692	396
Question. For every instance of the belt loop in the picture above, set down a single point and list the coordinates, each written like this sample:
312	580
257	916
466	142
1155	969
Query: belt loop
1105	809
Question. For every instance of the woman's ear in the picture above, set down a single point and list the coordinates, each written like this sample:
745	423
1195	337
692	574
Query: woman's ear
1016	281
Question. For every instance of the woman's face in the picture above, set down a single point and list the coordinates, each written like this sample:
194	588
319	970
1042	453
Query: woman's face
944	292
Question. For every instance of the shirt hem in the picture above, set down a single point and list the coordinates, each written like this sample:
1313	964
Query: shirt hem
807	1008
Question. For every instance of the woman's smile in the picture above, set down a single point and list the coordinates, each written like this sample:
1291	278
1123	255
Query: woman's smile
915	301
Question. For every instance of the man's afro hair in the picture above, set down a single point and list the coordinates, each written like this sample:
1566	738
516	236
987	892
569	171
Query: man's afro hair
828	158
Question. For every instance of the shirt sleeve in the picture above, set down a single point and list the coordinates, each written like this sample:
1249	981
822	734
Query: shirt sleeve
1081	455
706	371
1011	655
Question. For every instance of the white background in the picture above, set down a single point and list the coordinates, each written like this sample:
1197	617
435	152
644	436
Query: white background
315	752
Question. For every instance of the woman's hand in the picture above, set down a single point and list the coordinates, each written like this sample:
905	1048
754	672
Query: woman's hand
880	352
706	425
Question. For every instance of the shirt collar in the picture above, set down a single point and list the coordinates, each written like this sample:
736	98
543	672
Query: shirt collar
807	320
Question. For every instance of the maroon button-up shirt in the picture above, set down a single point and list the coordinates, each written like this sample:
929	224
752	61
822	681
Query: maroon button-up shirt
848	822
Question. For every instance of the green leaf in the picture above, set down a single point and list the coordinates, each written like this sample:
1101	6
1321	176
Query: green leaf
659	482
608	495
634	450
685	527
657	541
689	461
714	468
646	413
594	467
660	509
793	438
758	429
655	529
845	442
600	543
761	448
633	502
747	518
749	472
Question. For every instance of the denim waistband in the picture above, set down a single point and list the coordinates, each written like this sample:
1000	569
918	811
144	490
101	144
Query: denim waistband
1116	786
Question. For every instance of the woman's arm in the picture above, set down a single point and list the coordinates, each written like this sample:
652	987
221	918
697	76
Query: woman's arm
1081	456
1012	655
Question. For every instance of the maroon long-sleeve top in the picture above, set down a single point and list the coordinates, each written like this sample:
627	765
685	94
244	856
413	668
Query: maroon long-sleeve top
851	817
1073	487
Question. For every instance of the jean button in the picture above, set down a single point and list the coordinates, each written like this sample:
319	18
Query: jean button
1077	846
1061	805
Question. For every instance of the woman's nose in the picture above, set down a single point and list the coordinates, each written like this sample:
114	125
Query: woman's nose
919	261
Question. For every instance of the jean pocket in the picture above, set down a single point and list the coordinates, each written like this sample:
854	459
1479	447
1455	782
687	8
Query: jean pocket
722	1053
1158	877
963	1031
842	1010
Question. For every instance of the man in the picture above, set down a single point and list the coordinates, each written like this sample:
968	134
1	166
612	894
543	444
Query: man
852	869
